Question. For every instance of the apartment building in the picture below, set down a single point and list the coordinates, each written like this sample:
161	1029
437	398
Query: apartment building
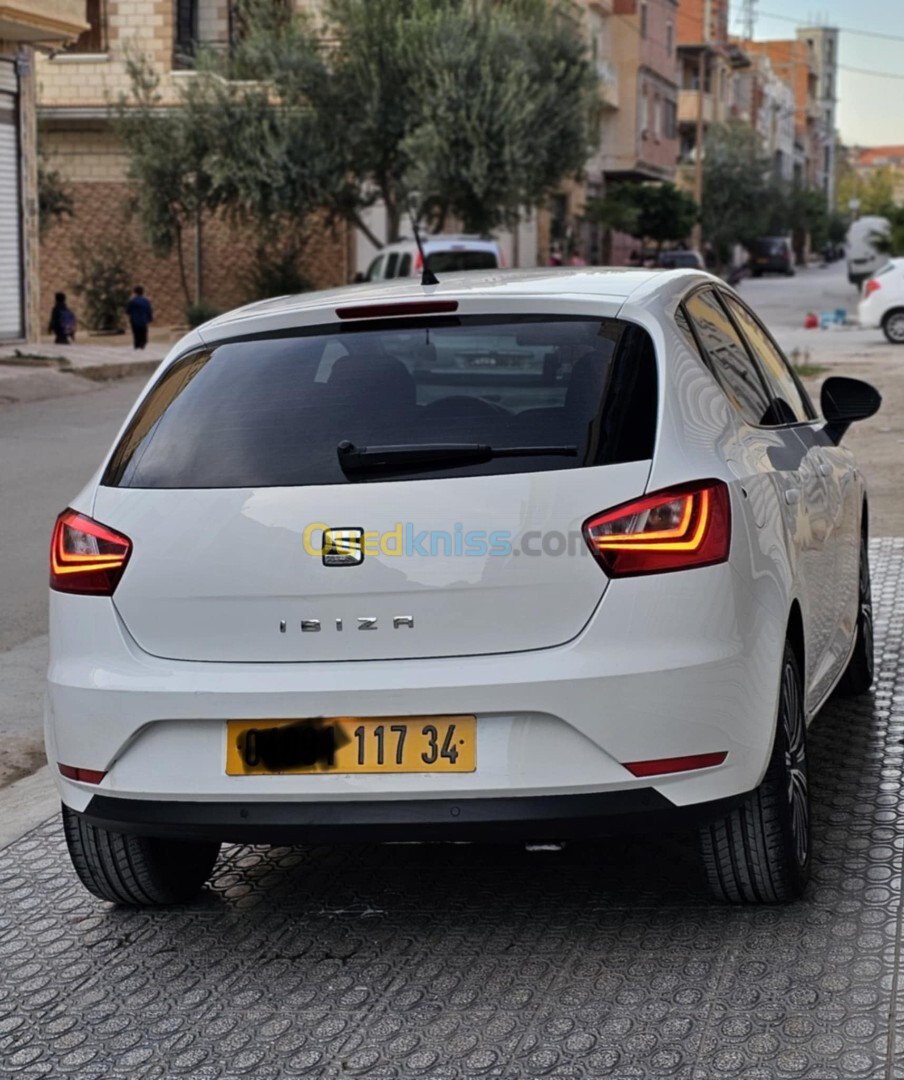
25	25
709	65
809	64
77	85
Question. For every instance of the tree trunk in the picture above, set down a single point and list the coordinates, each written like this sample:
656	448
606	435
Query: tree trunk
180	258
393	220
358	221
199	253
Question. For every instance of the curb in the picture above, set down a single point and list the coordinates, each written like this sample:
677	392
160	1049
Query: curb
26	804
109	372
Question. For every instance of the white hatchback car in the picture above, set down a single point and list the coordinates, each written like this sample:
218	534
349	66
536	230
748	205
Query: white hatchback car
882	305
532	556
444	253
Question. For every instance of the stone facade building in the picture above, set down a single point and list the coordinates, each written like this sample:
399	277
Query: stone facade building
77	86
25	25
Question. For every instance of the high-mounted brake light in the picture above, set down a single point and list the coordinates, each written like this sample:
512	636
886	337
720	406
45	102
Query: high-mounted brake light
388	311
872	286
85	556
681	527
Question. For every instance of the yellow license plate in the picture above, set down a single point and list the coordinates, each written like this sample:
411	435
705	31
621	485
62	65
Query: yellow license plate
346	744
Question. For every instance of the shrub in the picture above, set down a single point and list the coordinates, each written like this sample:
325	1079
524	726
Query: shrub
201	312
104	283
274	271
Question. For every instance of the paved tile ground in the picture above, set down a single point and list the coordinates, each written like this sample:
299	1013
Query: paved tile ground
449	962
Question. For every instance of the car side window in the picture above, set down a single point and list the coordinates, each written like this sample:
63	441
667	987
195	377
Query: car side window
728	356
405	265
392	262
374	271
790	399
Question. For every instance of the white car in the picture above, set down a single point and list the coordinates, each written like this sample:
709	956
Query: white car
882	306
533	556
444	253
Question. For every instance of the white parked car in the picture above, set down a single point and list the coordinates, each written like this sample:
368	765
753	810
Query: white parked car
524	556
444	253
882	305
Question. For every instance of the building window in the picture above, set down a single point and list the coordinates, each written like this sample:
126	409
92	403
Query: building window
669	38
643	20
94	39
186	32
671	119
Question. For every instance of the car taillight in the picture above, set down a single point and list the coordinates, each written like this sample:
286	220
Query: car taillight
85	556
871	286
680	527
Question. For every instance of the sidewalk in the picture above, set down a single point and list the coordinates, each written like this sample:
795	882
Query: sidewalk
89	359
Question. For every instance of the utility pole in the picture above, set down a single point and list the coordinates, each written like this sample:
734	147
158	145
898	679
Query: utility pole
697	235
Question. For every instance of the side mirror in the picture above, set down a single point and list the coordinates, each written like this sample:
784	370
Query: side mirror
359	277
844	401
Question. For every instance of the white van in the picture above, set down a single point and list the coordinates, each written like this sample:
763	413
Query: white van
863	260
445	253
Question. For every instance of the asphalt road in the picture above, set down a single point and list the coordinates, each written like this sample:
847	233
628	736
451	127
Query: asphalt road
48	450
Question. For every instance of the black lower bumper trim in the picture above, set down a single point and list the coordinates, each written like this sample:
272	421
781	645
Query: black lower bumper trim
540	817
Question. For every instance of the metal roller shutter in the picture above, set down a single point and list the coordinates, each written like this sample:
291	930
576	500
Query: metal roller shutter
11	321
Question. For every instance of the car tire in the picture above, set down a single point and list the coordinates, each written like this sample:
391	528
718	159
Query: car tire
893	326
139	871
759	853
858	675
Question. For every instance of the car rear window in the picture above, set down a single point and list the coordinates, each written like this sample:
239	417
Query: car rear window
448	262
272	411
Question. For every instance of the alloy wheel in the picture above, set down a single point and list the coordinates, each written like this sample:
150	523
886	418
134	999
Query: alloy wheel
792	719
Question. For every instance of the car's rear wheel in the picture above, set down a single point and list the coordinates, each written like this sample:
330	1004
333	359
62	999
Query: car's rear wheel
140	871
893	326
759	853
858	675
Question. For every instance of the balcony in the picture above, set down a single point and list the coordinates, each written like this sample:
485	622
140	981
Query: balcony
42	22
687	107
607	77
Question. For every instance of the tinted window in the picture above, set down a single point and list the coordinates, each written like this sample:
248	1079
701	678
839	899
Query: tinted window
269	412
729	359
790	404
392	261
405	265
450	261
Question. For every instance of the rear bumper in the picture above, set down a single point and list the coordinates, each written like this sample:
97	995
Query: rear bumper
645	680
548	817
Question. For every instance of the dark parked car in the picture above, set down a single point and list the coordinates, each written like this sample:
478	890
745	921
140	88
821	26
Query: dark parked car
772	255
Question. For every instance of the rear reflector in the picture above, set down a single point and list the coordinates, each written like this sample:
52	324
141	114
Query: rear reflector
85	556
87	776
680	527
659	766
388	311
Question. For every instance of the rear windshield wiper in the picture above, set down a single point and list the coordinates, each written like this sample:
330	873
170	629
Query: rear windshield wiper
435	455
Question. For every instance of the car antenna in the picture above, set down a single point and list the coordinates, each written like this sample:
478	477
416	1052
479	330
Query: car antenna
427	276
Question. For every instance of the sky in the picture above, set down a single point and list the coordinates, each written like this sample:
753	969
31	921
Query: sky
870	106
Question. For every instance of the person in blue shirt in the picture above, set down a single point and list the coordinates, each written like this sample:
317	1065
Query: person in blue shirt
141	315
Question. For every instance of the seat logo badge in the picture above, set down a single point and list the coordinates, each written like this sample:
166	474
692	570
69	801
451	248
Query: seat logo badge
343	547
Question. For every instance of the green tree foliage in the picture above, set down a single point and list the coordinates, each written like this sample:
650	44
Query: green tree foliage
103	282
875	192
470	107
659	213
54	198
737	194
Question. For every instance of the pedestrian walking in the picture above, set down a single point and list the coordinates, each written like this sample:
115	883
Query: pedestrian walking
141	315
62	321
